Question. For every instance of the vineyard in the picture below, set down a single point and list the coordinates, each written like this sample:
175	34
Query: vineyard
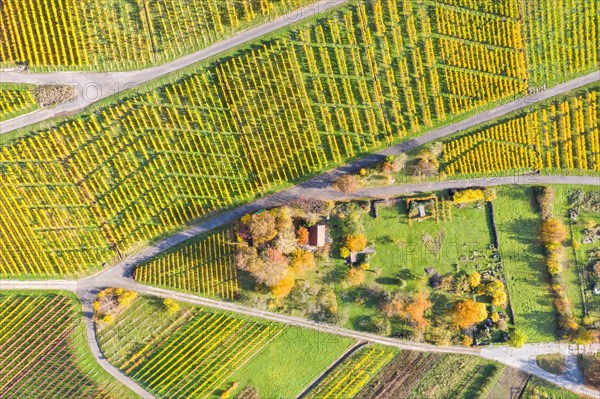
561	135
39	358
122	34
399	377
562	38
192	357
15	101
204	267
74	197
455	376
352	374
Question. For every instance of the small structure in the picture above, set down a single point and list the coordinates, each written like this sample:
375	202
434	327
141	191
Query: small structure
422	212
573	214
596	289
352	258
316	235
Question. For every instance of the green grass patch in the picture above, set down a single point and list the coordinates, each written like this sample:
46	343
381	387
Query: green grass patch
539	388
518	222
290	362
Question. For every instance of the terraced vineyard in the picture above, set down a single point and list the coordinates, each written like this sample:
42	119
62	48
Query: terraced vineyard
188	354
43	355
561	135
204	267
353	373
75	196
561	38
122	34
15	100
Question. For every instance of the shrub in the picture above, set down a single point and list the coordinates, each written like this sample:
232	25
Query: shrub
347	184
466	196
467	341
170	306
517	338
344	252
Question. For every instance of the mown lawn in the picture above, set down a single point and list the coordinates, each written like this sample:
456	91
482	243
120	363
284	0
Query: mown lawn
577	256
401	251
518	222
290	362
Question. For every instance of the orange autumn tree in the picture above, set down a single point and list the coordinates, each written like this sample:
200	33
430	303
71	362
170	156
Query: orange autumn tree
413	310
465	313
417	308
302	236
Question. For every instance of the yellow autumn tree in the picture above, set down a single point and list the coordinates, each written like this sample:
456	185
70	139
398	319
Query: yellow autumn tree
465	313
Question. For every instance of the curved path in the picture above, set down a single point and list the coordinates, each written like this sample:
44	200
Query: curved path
94	86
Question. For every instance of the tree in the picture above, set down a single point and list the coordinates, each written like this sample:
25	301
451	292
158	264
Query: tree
553	231
170	306
467	341
269	274
517	338
545	201
417	308
262	227
355	276
496	291
246	258
466	313
302	261
583	336
302	236
356	242
596	269
396	306
283	287
554	266
347	184
474	279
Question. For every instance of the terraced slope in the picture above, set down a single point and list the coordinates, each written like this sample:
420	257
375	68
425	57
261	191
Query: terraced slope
75	196
122	34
